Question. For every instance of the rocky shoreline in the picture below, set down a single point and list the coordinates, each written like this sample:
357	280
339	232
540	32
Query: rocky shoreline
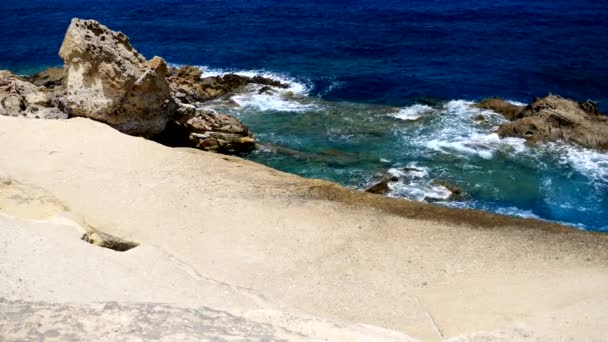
106	79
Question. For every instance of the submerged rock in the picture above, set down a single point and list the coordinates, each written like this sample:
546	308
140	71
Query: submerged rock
109	81
555	118
21	98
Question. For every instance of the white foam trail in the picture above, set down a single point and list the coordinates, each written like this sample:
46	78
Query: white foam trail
412	113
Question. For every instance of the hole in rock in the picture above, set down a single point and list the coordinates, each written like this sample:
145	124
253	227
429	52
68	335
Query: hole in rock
108	241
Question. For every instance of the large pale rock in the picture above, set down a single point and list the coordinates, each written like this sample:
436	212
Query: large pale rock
21	98
109	81
554	118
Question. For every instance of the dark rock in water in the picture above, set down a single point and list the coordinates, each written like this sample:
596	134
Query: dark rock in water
382	187
506	109
188	82
480	118
455	190
265	90
555	118
208	131
19	97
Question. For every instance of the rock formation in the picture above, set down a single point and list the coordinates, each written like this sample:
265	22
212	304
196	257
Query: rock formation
21	98
109	81
506	109
190	87
208	131
554	118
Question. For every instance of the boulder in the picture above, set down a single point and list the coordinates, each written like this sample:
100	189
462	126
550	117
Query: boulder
109	81
19	97
554	118
506	109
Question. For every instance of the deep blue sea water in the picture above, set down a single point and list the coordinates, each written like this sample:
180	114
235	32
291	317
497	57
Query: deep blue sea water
361	71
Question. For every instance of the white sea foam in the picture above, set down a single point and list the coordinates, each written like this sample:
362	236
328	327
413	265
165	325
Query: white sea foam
456	133
517	103
273	102
419	191
290	99
590	163
413	183
412	113
297	87
514	211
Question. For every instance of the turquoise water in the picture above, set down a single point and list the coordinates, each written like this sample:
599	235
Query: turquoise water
356	144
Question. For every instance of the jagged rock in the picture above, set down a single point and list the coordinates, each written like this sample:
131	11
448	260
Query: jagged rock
190	87
21	98
506	109
555	118
208	131
51	78
109	81
382	187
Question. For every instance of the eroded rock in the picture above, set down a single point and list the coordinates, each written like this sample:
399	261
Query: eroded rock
24	99
208	131
109	81
500	106
554	118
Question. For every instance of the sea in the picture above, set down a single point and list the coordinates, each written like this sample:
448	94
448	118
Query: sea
378	87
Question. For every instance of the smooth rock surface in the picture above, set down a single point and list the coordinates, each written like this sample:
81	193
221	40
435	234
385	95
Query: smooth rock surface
218	231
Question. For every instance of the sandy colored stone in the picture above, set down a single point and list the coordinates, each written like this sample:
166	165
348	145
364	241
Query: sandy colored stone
290	244
109	81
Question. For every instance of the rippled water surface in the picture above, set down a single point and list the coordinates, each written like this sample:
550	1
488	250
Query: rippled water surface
379	87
